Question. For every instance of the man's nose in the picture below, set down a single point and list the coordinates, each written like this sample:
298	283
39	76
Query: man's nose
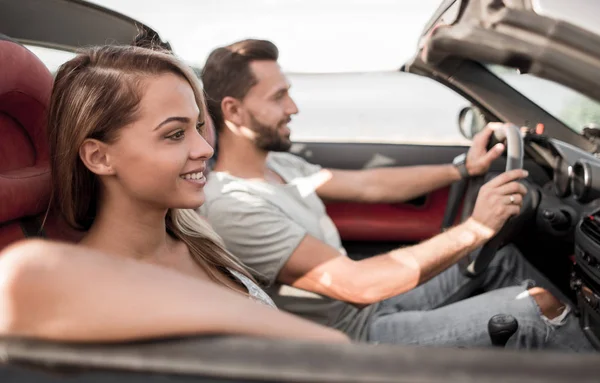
292	108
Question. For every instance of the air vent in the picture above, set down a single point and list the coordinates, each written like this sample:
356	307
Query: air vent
591	228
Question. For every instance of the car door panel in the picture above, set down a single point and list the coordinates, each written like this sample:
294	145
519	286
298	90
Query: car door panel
358	155
368	229
405	223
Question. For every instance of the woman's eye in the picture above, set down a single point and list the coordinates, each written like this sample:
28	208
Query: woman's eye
177	135
200	127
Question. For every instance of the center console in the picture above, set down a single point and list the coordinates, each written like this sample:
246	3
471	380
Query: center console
586	276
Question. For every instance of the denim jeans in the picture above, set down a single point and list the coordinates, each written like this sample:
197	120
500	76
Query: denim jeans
434	314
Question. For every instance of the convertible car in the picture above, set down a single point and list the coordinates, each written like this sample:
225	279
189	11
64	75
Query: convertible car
484	50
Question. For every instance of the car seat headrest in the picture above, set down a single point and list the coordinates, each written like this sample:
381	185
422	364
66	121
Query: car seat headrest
25	87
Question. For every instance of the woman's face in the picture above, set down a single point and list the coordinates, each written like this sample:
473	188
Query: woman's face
160	158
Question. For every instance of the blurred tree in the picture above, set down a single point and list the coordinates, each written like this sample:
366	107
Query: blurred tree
581	111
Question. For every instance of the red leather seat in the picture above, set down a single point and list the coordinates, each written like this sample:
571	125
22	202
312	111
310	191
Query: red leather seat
25	86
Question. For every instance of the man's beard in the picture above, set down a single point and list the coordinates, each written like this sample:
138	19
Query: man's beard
268	138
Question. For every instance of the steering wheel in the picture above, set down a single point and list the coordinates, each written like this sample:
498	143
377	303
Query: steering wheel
477	261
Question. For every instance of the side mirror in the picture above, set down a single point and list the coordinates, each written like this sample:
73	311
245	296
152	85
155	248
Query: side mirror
471	121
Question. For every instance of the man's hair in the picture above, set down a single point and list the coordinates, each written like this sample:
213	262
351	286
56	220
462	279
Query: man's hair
227	73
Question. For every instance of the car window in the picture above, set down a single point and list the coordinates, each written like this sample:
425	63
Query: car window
380	107
569	106
52	58
386	107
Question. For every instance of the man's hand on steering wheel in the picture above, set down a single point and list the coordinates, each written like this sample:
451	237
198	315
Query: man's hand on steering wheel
500	199
491	205
479	158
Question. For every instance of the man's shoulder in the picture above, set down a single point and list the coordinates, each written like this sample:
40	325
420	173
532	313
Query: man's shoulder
285	159
225	189
225	194
220	183
291	165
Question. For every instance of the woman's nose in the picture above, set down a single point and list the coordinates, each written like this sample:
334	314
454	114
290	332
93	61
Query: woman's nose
200	148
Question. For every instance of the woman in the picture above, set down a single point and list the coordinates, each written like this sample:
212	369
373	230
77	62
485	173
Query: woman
128	160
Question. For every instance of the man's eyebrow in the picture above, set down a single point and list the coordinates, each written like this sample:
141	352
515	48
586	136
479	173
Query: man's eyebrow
282	90
184	120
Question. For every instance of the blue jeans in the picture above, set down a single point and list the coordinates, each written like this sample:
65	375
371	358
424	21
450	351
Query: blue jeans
433	314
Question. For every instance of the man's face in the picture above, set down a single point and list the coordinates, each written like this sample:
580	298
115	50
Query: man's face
269	108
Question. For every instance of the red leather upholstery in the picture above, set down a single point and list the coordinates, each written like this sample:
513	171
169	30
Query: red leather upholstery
390	222
9	233
25	86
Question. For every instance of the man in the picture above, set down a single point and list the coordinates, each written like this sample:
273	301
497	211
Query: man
266	204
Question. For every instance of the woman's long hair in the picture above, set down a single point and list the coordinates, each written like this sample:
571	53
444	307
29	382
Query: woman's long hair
95	95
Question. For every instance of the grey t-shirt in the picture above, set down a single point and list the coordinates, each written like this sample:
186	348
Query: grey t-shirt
263	223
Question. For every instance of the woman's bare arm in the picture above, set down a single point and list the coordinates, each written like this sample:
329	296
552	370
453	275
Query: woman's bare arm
64	292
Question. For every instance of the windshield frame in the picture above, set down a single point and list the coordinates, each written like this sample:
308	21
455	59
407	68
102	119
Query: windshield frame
537	92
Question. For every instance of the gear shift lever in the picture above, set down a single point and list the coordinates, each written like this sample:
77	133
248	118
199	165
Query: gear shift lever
501	327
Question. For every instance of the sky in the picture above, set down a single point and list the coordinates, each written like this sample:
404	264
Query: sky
313	36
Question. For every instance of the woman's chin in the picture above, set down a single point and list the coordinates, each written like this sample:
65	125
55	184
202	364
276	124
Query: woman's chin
190	203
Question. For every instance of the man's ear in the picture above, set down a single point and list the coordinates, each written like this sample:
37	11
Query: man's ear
93	154
232	110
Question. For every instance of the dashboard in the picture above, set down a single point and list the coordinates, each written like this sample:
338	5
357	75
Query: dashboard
576	172
572	191
576	185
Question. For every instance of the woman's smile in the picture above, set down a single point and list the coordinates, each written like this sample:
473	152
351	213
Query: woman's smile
197	178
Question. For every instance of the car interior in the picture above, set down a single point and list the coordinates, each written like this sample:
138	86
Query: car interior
558	230
24	182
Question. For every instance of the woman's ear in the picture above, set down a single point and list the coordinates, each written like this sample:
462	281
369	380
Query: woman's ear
93	154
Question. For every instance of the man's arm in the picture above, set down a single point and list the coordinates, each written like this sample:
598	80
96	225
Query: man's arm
64	292
400	184
317	267
385	185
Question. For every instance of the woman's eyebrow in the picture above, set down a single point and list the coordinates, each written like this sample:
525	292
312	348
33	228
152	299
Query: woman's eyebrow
184	120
